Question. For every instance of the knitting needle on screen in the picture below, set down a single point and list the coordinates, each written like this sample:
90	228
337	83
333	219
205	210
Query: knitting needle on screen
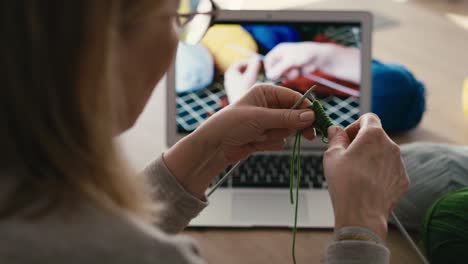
236	165
333	85
245	51
310	76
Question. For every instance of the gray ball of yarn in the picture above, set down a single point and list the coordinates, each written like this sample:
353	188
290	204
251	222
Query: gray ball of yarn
434	170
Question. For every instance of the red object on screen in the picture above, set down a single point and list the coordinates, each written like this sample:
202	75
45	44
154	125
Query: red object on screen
302	84
323	39
223	102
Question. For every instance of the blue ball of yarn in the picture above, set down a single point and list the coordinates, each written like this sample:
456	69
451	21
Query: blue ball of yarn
194	68
268	36
398	98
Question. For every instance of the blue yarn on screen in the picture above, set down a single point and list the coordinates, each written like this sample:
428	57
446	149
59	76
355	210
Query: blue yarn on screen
398	98
194	68
268	36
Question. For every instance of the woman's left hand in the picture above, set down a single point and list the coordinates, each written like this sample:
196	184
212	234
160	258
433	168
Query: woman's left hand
259	121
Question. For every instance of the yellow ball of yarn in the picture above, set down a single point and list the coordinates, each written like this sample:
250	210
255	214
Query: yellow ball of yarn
222	40
465	97
184	7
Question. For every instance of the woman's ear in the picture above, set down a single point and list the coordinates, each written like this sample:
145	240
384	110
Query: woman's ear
142	56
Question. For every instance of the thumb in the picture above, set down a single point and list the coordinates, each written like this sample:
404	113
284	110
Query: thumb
285	118
235	69
281	67
338	139
253	66
309	68
293	74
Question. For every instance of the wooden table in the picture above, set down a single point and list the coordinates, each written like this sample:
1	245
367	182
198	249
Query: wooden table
434	49
253	246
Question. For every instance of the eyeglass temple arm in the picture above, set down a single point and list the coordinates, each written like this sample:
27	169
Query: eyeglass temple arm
190	16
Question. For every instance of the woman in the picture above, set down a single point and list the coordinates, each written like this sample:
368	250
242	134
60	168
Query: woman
75	73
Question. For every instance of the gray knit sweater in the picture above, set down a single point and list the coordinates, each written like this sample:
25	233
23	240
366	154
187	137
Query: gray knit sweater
93	235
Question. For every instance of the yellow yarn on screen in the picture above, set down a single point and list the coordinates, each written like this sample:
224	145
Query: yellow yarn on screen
184	7
465	97
221	38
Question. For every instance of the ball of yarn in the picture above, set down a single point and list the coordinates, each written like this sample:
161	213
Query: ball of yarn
434	171
224	42
445	229
185	7
268	36
398	98
194	68
465	97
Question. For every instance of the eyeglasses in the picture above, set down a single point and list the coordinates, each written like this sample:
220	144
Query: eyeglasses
194	18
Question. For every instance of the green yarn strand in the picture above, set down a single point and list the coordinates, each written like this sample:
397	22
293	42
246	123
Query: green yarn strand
291	167
322	120
296	174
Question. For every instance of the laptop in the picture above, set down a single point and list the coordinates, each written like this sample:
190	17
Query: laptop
257	194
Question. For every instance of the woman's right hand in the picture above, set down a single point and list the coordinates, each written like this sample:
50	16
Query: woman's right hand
365	174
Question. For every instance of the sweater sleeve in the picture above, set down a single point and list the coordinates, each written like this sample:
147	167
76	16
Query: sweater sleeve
357	251
178	207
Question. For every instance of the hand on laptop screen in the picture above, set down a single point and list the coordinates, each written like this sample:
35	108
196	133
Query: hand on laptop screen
294	55
240	77
291	60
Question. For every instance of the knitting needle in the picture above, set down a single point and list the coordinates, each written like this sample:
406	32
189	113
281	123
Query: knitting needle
402	230
246	51
311	76
236	165
333	85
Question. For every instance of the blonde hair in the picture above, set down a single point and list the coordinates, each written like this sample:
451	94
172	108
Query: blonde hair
56	106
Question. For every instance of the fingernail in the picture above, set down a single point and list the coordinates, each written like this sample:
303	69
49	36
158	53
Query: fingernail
332	131
307	116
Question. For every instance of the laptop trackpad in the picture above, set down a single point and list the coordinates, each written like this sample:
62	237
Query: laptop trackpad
267	208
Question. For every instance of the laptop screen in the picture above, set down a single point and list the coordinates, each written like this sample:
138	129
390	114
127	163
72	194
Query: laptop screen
234	56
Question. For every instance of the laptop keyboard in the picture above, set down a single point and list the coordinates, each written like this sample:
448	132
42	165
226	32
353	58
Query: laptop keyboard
272	171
